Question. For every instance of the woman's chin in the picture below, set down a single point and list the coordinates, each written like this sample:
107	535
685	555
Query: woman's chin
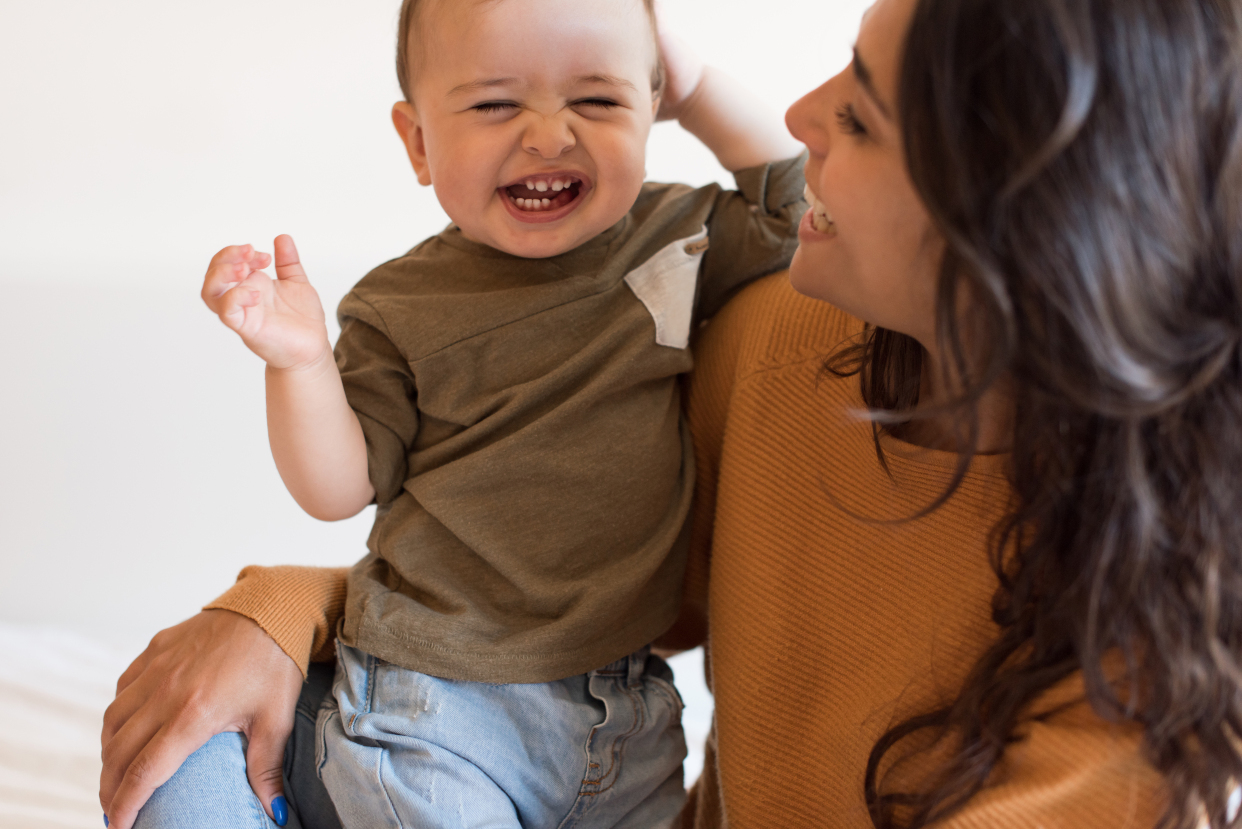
808	276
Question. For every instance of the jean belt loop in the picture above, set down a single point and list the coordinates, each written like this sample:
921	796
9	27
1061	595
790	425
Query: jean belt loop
638	666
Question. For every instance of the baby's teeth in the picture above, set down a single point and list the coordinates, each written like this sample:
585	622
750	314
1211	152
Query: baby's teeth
541	186
530	185
557	186
546	203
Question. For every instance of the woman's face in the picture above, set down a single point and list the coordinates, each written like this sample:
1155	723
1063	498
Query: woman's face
878	256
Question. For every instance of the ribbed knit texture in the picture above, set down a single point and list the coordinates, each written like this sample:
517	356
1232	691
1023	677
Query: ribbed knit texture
299	607
830	617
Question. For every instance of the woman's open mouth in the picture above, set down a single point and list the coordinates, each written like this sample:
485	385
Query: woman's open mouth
543	197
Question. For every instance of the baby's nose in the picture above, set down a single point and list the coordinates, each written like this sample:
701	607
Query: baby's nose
549	137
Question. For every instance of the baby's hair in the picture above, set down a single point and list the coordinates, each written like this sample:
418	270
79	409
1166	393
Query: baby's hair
409	13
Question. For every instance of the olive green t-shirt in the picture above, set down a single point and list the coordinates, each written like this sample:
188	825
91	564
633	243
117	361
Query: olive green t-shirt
524	433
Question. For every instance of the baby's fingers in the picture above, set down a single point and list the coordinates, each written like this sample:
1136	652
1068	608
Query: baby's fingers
229	267
233	305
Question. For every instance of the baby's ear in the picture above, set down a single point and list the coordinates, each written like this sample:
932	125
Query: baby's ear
405	119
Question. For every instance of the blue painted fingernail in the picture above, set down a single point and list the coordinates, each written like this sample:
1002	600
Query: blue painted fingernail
280	810
105	822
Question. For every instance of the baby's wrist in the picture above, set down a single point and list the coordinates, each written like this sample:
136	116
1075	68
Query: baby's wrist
323	361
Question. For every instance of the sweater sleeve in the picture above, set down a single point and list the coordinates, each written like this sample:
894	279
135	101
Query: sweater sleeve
299	607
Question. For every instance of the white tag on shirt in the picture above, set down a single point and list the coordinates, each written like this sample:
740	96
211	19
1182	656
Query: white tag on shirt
665	284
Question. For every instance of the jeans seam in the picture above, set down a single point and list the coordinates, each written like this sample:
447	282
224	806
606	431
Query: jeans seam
392	807
321	732
260	815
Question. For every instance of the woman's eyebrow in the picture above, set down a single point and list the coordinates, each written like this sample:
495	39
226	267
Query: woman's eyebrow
863	74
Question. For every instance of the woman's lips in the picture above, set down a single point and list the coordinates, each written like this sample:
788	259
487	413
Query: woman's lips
820	219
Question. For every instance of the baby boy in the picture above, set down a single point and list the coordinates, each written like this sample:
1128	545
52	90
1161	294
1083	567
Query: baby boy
507	394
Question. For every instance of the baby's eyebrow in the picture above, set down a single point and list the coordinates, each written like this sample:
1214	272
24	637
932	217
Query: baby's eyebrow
492	83
475	86
610	80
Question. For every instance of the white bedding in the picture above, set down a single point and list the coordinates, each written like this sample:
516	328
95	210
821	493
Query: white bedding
54	687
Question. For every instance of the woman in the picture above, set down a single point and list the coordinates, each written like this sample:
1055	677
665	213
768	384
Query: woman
1014	596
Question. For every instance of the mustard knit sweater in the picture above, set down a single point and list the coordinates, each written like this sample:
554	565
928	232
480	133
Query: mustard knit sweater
827	618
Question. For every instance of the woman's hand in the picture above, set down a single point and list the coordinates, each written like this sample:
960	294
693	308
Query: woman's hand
215	672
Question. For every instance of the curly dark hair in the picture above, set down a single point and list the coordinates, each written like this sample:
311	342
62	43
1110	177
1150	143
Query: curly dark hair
1083	161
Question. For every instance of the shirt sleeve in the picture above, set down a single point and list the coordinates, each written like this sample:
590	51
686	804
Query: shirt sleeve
299	607
753	230
379	385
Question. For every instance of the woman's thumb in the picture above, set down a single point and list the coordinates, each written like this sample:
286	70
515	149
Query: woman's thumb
265	765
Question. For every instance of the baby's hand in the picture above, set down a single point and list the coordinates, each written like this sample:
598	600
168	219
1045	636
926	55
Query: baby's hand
279	319
682	73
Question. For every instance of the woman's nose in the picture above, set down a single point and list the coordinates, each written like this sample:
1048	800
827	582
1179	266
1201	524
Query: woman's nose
809	116
549	137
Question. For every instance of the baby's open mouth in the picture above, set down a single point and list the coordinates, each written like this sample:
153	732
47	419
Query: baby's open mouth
540	193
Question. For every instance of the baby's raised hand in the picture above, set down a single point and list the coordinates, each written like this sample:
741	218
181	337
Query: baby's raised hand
279	319
683	72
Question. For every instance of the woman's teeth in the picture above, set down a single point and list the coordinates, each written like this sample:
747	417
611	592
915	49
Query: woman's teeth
821	219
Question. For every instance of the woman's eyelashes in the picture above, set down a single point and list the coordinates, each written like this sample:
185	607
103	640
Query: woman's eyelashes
847	119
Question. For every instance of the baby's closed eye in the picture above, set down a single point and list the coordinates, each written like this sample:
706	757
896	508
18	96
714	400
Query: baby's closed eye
493	106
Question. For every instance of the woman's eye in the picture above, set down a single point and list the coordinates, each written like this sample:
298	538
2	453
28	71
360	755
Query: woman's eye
492	106
848	120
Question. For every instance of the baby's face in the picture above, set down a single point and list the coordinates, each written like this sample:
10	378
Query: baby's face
531	117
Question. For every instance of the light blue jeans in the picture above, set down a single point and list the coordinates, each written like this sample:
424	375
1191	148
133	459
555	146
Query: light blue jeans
211	789
402	749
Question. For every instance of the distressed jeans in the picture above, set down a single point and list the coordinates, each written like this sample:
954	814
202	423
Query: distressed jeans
402	749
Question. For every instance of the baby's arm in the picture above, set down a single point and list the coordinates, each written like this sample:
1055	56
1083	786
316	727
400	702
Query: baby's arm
736	125
315	436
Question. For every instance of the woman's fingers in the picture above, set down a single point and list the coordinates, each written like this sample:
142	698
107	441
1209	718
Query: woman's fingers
133	727
134	671
265	762
151	767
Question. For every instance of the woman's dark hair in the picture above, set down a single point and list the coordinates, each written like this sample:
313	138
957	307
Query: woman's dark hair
1083	161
